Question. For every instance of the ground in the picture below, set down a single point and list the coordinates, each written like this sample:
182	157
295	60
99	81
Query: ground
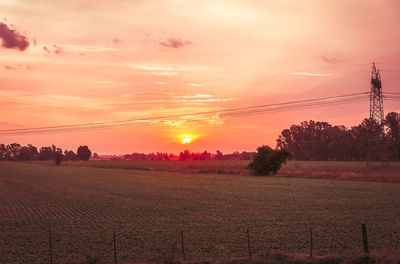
148	209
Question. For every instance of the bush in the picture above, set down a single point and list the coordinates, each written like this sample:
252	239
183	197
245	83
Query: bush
268	160
84	153
58	157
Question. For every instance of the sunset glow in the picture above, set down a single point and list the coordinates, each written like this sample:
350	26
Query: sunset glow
186	140
156	62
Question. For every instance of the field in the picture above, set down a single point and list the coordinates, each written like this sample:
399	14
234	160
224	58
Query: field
357	170
148	207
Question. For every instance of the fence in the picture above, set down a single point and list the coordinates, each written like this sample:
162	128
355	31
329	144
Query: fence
77	243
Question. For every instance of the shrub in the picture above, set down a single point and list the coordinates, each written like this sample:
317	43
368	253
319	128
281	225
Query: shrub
84	153
58	157
268	160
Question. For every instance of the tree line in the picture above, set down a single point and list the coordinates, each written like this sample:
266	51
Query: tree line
314	140
187	155
310	140
17	152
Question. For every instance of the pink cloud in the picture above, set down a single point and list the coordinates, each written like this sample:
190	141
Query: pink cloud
46	49
7	67
332	60
58	50
18	67
116	41
175	43
12	39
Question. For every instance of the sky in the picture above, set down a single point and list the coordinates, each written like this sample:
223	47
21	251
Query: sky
72	62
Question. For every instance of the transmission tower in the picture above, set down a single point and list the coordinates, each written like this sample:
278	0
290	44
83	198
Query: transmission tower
376	98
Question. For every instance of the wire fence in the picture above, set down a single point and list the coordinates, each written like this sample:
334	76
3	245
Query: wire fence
80	243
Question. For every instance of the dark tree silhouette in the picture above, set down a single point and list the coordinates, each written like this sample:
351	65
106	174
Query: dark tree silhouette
185	155
13	151
393	135
70	155
309	140
84	153
48	153
58	157
268	160
315	140
3	151
28	153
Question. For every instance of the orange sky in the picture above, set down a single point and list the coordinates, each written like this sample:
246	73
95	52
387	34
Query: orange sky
104	60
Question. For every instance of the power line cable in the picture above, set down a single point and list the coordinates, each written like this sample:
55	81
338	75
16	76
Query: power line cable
285	106
160	122
184	115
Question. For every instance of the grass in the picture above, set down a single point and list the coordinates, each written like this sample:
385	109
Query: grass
333	170
148	208
354	171
210	166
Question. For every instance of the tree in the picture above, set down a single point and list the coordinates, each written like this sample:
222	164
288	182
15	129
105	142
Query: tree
3	152
70	155
48	153
84	153
28	153
185	155
268	160
12	151
218	155
367	137
58	157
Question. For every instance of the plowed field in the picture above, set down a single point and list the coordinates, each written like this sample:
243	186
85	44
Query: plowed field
148	209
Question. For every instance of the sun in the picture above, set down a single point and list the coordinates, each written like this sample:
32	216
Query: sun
186	140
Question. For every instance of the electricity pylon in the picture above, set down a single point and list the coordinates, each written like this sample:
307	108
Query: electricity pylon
376	97
376	147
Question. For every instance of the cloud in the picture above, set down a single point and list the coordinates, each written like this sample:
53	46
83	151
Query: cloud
57	50
12	39
175	43
7	67
331	59
116	41
17	67
195	96
195	84
312	74
88	48
46	49
8	124
151	68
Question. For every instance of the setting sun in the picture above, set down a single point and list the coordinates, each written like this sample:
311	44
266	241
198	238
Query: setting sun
186	140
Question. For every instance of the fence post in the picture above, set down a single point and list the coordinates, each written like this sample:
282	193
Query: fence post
115	249
365	238
248	243
183	246
50	247
311	243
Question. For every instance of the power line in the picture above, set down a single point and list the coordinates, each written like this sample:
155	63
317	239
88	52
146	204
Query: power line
391	93
160	122
187	115
184	115
301	107
232	112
